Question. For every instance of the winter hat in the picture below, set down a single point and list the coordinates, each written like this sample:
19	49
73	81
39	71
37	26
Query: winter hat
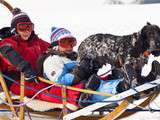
18	17
58	34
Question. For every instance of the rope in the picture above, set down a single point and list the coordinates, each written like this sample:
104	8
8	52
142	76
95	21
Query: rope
30	88
29	116
51	95
24	103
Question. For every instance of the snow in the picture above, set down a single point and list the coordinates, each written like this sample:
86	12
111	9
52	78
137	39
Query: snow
86	17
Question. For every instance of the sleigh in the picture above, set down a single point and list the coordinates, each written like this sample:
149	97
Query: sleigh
104	110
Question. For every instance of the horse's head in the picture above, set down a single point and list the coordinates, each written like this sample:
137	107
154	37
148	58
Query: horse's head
150	37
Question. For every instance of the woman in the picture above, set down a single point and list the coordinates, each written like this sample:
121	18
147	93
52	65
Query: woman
19	53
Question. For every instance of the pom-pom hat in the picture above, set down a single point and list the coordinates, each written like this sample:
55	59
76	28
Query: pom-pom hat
18	17
58	34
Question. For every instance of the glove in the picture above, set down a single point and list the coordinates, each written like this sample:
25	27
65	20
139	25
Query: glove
29	74
5	32
17	60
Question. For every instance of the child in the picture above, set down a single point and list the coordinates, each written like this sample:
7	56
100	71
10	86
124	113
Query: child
57	65
59	62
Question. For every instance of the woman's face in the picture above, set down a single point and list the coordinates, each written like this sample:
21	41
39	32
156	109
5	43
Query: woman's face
24	29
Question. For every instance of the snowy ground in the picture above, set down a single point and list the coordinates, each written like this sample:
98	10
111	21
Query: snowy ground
86	17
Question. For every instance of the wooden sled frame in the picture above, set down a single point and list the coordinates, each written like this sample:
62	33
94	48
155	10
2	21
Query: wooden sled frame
119	111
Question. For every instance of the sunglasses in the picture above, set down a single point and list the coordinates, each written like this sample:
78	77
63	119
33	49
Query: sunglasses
25	26
67	42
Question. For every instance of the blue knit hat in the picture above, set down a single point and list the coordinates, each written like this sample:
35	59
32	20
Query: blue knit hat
58	34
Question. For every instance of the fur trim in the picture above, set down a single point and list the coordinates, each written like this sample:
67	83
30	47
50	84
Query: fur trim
39	105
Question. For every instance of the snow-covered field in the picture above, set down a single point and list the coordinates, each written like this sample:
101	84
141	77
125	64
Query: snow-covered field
86	17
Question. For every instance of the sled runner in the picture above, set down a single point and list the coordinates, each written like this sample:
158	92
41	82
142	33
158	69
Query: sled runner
117	97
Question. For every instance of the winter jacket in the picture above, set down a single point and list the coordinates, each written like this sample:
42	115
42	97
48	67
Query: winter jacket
57	69
29	50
